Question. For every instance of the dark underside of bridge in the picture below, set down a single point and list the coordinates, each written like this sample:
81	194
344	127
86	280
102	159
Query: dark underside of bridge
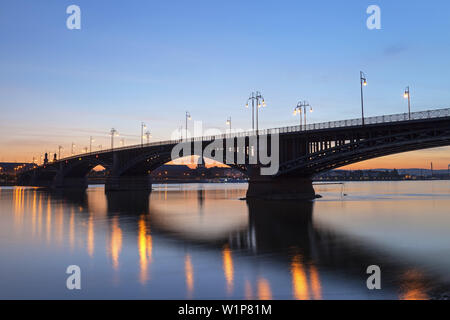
301	155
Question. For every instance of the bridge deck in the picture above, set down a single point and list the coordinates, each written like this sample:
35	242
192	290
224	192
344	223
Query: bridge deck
385	119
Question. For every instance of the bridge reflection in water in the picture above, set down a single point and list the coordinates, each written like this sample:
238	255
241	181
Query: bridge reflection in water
206	244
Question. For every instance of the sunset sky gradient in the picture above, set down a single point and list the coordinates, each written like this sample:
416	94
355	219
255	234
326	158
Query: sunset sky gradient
150	61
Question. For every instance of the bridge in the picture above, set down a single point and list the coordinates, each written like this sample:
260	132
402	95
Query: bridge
300	152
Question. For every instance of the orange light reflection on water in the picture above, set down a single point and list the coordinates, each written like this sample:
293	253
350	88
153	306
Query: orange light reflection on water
189	274
264	290
115	245
144	248
228	268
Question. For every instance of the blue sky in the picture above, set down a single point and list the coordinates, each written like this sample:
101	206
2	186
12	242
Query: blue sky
151	61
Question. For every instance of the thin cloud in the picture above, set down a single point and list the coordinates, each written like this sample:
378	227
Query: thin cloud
394	50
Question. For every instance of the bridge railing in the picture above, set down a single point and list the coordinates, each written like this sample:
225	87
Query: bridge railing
420	115
430	114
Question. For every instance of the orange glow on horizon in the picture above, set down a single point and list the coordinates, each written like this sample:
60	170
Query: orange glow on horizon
191	162
420	159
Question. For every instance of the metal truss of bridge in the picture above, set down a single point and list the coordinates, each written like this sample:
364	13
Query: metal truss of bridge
302	153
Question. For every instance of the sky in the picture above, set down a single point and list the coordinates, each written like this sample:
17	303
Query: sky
151	61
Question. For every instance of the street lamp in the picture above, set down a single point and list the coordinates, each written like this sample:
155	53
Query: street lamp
59	152
363	81
260	102
113	133
188	117
143	127
302	105
407	95
90	143
73	146
298	110
148	136
252	98
229	123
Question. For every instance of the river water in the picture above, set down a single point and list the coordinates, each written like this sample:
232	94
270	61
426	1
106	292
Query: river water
200	241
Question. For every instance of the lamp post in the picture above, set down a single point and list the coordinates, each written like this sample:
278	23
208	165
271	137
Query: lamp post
188	117
301	106
252	98
113	133
59	152
73	146
143	127
148	136
229	123
407	95
298	110
260	102
363	82
90	143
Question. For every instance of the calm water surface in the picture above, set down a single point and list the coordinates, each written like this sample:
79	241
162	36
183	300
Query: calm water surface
201	241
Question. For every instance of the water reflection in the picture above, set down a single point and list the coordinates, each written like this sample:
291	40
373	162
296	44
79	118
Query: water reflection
189	274
242	249
48	226
299	280
145	248
248	290
228	268
90	236
315	282
264	291
34	213
115	245
72	228
127	202
39	226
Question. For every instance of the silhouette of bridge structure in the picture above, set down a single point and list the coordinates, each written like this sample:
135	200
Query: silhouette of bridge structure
301	152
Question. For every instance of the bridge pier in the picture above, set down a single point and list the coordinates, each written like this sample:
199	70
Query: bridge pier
128	183
280	188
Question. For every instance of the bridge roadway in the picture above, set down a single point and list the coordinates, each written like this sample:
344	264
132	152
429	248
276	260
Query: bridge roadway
293	154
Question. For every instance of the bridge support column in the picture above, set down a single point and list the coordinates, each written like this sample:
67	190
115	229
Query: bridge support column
128	183
281	188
